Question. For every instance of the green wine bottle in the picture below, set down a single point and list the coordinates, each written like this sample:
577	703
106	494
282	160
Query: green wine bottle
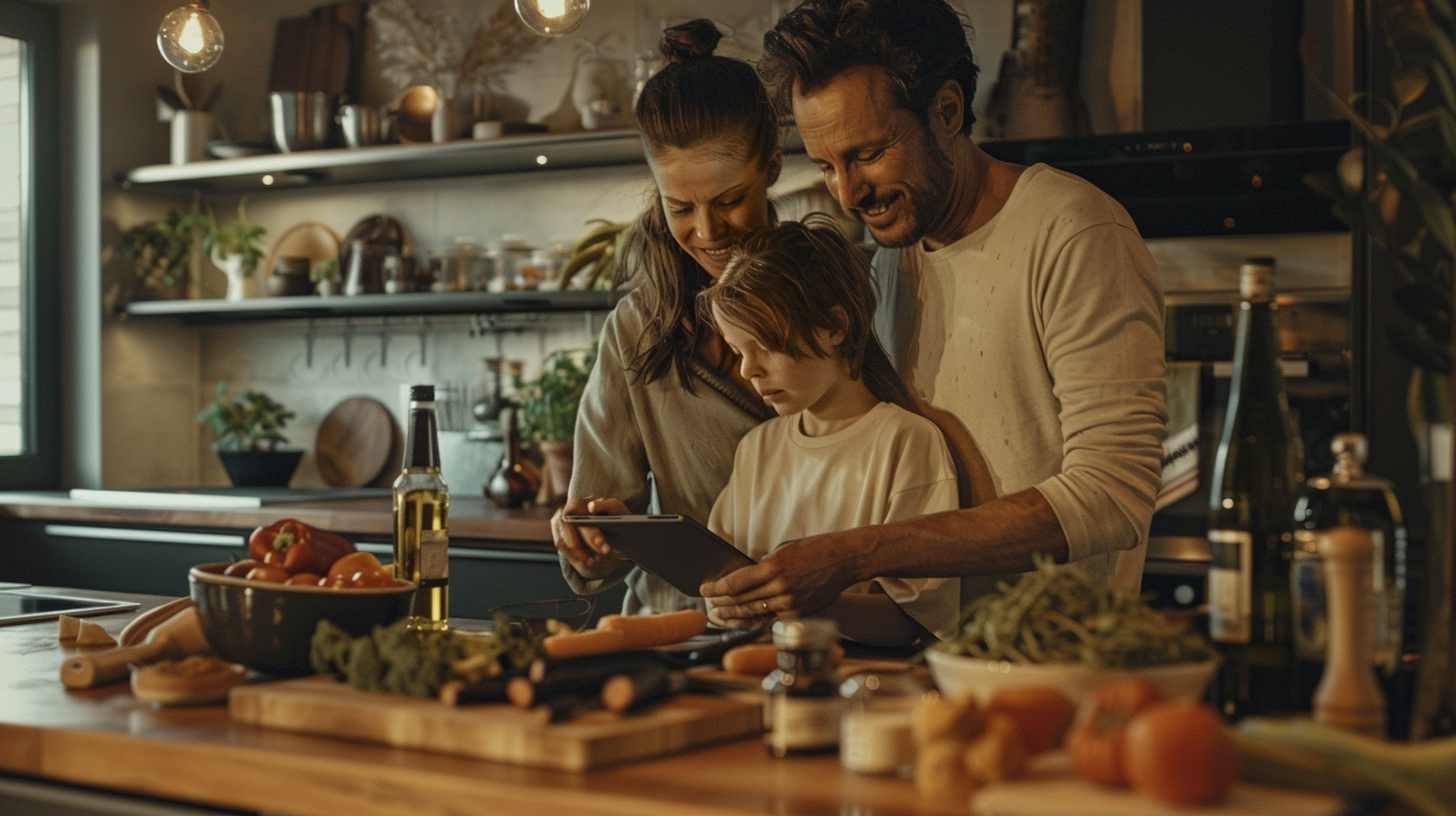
1258	470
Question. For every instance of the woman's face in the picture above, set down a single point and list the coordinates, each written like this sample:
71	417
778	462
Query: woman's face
712	196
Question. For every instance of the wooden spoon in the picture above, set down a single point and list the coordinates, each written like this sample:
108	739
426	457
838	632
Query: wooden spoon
179	636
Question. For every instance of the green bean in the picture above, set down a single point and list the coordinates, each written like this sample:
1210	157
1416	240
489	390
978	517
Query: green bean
1057	615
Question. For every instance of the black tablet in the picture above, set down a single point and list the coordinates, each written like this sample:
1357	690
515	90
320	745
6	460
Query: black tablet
674	548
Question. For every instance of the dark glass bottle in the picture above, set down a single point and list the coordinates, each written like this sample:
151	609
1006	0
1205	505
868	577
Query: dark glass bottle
421	517
1256	473
802	711
511	486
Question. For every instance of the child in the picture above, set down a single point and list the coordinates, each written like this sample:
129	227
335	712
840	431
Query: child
796	304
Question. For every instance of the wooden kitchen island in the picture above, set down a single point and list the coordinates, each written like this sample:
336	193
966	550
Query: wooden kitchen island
106	740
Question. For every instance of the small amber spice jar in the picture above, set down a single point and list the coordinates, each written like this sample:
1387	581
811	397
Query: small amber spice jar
802	711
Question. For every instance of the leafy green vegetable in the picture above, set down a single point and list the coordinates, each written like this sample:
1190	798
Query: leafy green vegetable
1057	615
399	660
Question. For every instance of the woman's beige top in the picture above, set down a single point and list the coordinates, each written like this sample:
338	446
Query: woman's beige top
655	446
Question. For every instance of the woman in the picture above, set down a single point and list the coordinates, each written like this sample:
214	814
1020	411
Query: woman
665	406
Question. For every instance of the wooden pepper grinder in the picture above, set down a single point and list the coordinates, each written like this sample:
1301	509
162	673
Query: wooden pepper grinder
1347	696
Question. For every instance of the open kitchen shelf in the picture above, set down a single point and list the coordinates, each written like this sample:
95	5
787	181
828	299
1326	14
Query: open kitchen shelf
311	168
313	306
321	168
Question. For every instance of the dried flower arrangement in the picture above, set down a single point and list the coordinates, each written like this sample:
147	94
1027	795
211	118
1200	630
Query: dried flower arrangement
425	47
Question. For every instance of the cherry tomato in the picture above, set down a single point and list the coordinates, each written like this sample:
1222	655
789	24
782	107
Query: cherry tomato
239	569
1096	743
354	562
1179	753
303	579
269	573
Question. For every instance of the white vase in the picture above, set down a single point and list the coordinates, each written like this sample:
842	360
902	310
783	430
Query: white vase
237	276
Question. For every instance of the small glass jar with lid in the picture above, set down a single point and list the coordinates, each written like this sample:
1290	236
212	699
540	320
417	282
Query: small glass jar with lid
463	265
510	254
874	726
802	709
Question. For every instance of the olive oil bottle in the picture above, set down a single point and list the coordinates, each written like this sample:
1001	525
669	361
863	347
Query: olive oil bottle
1256	474
421	517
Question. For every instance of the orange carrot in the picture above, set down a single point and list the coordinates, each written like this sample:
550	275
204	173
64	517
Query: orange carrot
647	631
754	659
582	644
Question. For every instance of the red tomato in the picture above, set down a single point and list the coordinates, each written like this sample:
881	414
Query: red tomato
1179	753
269	573
368	578
1096	741
240	569
346	566
303	579
1042	715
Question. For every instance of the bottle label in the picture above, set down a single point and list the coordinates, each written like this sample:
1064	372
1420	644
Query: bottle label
1230	586
799	723
434	555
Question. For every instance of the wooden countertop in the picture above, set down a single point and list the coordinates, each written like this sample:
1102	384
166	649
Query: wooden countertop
106	738
471	517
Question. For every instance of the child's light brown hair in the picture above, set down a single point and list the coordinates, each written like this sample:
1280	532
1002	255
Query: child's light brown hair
785	281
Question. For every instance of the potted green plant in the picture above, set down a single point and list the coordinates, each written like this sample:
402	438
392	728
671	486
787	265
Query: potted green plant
548	413
325	277
235	247
159	254
247	432
1398	188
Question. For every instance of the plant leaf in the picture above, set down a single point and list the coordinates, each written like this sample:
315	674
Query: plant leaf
1408	84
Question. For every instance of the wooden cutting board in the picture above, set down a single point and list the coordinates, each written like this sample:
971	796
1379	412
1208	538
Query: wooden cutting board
502	733
1051	789
353	442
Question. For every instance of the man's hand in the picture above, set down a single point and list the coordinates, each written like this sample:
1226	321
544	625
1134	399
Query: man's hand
796	580
585	548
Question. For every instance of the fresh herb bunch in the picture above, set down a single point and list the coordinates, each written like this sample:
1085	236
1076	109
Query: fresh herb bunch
239	237
253	422
399	660
158	250
549	402
1058	615
1405	206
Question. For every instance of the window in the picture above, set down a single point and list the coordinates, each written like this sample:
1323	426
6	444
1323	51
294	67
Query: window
29	289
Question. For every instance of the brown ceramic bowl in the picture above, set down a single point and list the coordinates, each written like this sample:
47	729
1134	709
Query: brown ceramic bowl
269	627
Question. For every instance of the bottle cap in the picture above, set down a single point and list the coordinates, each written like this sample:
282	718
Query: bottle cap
422	393
814	633
1256	279
1352	445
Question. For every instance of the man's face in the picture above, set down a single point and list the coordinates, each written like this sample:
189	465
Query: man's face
878	159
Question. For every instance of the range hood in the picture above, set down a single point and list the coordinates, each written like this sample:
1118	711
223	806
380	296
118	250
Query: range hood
1216	181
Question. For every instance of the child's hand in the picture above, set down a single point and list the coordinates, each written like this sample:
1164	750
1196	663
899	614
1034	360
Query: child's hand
585	548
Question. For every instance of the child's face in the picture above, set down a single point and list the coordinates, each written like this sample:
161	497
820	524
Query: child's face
788	384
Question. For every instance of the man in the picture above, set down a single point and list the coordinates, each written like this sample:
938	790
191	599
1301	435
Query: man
1020	300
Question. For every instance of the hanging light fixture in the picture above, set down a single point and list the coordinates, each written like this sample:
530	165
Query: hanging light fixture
552	18
190	38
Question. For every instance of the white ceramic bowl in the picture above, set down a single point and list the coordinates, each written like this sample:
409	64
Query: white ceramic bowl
957	675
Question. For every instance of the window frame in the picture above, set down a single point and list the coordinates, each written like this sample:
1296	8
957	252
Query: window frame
39	465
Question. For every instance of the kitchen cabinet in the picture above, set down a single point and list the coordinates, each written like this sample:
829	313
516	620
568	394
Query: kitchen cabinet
155	560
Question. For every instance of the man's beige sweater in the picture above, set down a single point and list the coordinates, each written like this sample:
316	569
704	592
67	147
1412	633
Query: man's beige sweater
1042	333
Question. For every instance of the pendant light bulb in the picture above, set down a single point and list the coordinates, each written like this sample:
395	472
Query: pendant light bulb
190	38
552	18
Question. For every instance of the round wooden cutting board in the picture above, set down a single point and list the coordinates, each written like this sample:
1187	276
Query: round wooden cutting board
353	442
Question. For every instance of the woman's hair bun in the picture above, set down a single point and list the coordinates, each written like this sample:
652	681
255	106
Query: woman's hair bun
692	40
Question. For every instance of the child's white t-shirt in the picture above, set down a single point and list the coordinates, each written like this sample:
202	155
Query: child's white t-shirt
888	465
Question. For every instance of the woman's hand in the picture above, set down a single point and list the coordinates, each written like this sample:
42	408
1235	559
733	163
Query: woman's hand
585	548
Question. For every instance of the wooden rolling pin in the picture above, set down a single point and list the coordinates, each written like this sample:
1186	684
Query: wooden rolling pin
179	636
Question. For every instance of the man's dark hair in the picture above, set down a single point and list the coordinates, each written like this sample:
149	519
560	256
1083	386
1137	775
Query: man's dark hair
920	43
